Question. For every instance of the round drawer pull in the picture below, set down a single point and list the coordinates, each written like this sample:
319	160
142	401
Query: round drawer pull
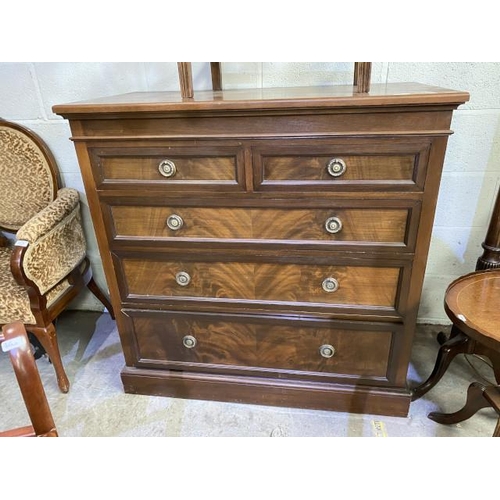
336	167
189	341
167	168
182	278
330	285
327	350
175	222
333	225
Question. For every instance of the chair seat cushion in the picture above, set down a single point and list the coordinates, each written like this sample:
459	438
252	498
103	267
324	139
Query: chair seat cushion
14	300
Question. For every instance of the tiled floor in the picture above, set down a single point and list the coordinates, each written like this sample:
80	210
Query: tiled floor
97	406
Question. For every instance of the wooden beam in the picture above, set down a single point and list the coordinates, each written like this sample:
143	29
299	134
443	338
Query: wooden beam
185	79
362	76
215	69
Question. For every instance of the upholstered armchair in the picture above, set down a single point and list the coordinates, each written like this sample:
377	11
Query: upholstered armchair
43	265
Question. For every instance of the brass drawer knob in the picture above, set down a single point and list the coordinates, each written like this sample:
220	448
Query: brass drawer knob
333	225
175	222
327	350
336	167
182	278
167	168
189	341
330	285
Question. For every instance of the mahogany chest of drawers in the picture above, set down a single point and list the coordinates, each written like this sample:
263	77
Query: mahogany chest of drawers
266	246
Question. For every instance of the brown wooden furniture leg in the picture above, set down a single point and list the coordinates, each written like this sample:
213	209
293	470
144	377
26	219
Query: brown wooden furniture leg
30	384
459	344
493	356
475	402
496	433
92	286
48	339
492	395
442	337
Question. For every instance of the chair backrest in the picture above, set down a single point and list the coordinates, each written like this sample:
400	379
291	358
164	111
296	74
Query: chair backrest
14	340
28	175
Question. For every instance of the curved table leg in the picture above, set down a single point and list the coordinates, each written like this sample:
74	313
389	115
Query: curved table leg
442	338
493	356
458	344
475	402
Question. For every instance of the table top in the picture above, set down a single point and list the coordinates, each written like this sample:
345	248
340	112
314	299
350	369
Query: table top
334	96
472	302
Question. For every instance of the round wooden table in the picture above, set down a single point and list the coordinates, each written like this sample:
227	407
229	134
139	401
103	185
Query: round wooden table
472	303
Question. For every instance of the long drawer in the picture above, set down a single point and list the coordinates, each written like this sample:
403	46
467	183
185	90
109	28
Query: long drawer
177	340
374	225
151	277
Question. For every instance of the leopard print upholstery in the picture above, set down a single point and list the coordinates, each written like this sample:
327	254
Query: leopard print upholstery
52	256
26	181
52	228
43	222
14	300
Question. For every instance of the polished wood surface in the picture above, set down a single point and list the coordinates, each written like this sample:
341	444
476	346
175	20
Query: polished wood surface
479	396
260	345
342	96
189	168
472	303
367	286
366	225
255	246
373	168
15	342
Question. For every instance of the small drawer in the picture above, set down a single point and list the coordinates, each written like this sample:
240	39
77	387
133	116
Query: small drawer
147	277
337	226
172	168
179	340
327	165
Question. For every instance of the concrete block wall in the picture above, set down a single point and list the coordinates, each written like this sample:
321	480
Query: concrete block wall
472	167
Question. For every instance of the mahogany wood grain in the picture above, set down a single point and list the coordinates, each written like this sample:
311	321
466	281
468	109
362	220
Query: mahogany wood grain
370	164
285	348
358	168
145	168
368	225
247	258
266	282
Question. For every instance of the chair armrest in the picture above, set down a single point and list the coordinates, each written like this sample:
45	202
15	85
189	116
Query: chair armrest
66	201
55	241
